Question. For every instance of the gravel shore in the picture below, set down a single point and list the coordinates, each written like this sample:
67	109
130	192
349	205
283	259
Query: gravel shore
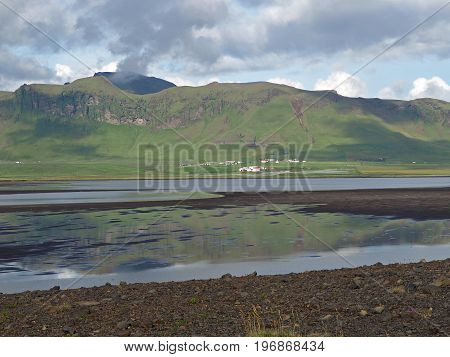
390	300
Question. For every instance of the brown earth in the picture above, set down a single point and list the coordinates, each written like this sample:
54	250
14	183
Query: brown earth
391	300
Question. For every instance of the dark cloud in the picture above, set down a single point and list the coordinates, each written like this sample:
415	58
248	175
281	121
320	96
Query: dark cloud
213	36
21	25
13	67
145	32
55	18
210	36
16	70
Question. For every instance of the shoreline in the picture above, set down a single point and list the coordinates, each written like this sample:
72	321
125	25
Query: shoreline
415	203
379	300
9	181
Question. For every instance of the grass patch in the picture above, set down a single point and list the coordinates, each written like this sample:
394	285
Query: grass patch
255	326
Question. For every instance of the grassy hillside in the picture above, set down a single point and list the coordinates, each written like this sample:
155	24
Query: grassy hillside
90	128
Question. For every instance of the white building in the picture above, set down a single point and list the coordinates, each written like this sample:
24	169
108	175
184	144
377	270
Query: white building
250	169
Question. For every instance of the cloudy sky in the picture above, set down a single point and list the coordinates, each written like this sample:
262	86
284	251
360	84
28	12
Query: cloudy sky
310	44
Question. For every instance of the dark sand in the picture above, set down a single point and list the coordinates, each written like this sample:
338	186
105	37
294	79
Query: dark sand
392	300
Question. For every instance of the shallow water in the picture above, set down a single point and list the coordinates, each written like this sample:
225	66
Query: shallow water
85	248
160	190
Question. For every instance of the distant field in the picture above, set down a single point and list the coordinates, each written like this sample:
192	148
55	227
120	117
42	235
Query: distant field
127	169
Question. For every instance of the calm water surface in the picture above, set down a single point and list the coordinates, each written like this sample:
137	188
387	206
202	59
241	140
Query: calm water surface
84	248
160	190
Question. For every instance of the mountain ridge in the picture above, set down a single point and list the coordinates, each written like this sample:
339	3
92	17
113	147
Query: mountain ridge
92	118
136	83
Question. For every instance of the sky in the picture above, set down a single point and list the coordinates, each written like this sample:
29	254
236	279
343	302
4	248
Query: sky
348	45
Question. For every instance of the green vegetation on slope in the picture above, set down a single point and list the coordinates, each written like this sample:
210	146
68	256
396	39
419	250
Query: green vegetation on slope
90	128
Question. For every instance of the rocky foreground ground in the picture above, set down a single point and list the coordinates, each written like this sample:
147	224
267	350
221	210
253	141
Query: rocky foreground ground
391	300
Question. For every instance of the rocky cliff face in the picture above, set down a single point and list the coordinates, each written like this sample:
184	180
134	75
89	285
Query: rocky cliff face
179	107
167	109
27	99
76	104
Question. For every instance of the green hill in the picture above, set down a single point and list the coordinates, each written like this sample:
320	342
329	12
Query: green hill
91	128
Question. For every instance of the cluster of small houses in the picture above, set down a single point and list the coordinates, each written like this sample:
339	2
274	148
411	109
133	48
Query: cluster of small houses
226	163
265	161
246	168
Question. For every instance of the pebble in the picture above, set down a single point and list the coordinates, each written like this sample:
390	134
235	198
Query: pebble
123	325
378	309
441	282
286	317
386	317
88	303
326	317
422	296
410	287
400	289
357	283
68	330
430	289
227	277
363	313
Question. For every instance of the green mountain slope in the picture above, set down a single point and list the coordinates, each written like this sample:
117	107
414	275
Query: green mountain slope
92	120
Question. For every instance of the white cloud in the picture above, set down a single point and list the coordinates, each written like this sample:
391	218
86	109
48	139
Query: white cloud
206	32
344	83
387	93
286	81
214	37
395	91
281	13
434	87
180	81
64	72
9	85
110	67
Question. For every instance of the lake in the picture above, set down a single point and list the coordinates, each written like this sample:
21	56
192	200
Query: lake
74	248
160	190
84	248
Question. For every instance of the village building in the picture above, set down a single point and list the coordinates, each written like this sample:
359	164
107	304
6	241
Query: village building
250	169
